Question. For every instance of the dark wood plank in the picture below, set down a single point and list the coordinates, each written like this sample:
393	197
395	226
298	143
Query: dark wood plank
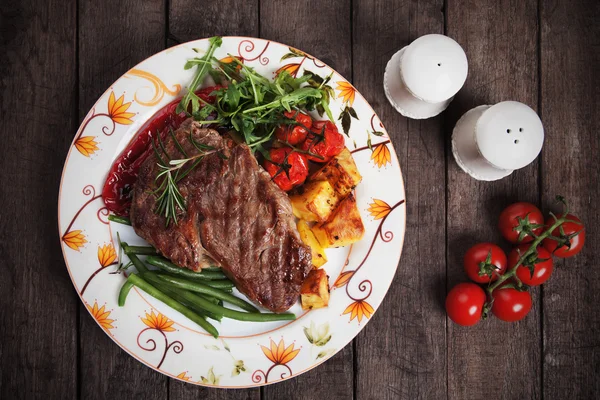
189	21
323	30
113	37
570	97
402	352
493	359
38	349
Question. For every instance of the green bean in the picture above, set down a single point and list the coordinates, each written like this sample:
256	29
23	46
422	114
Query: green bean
185	296
139	265
124	292
119	220
238	315
223	284
179	296
152	291
140	250
207	290
173	269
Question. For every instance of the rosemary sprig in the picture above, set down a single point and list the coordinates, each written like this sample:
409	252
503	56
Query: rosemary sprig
169	199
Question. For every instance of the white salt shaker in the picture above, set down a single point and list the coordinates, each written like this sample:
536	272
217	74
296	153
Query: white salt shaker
422	78
490	142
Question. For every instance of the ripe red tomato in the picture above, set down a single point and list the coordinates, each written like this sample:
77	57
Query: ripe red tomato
573	245
511	304
484	261
464	303
323	140
542	265
287	167
294	134
516	217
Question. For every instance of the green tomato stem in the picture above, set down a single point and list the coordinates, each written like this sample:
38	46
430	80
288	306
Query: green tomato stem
532	248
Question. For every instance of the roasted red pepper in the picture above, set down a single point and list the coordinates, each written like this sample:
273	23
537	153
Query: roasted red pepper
287	167
324	140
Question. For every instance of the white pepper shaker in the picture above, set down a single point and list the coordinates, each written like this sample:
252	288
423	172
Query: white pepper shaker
490	142
422	78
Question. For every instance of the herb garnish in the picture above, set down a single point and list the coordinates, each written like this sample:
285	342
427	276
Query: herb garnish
204	65
169	198
248	102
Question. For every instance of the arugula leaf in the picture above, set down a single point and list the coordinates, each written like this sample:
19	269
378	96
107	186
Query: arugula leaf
203	66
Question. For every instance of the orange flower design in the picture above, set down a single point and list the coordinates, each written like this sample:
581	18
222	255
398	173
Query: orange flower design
347	92
184	376
86	145
279	354
379	209
158	322
106	254
74	239
359	309
101	316
117	110
291	68
343	279
381	155
230	59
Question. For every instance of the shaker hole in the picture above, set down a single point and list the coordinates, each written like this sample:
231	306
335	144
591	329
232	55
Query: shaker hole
508	131
439	64
516	141
520	129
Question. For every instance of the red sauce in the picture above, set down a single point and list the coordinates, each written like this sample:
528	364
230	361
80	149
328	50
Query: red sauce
123	173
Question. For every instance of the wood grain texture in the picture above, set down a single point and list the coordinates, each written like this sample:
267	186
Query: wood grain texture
189	20
570	110
402	352
493	359
323	30
113	37
38	306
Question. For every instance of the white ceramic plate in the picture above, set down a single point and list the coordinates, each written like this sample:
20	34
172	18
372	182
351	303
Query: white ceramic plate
246	354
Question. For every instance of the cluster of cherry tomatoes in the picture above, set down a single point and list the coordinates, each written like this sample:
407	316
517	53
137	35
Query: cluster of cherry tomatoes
486	263
304	140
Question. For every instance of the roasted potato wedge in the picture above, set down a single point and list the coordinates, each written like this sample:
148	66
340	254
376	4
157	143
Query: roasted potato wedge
318	253
340	172
343	227
315	290
315	201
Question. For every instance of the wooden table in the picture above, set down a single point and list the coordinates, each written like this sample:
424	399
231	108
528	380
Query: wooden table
59	56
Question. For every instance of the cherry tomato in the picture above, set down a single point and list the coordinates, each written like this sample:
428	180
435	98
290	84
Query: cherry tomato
294	134
484	261
464	304
518	216
574	243
511	304
288	167
542	265
325	140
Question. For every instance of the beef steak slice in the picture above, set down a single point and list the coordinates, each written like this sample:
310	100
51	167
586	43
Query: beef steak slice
234	215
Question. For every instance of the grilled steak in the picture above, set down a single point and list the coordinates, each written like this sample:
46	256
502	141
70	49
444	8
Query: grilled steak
234	214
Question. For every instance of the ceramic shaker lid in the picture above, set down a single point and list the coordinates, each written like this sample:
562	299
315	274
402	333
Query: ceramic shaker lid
509	135
434	68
